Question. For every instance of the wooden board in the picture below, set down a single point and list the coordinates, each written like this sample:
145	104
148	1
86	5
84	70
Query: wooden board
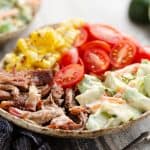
108	11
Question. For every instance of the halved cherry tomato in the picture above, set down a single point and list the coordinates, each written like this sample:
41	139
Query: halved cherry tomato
122	54
144	53
97	44
81	38
69	75
138	46
96	60
141	52
105	33
71	57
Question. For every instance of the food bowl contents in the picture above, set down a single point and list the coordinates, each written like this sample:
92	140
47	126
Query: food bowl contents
76	76
16	13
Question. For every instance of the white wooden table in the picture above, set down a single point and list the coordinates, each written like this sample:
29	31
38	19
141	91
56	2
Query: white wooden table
114	12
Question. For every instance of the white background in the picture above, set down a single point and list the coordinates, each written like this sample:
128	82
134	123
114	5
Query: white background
114	12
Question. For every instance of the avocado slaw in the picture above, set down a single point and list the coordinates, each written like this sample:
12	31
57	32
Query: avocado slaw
128	101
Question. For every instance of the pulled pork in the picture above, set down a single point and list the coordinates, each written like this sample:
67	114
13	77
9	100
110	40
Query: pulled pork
4	95
69	98
57	94
32	95
14	91
33	98
19	79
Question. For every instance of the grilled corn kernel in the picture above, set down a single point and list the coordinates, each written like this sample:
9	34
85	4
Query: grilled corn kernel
44	47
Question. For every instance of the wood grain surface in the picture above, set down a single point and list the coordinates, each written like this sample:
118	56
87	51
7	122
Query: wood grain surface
114	12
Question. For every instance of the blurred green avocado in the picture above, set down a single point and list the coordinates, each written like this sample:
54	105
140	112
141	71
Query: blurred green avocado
139	11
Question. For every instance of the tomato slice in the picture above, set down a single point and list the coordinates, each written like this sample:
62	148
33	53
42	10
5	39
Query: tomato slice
144	53
96	60
105	33
139	47
71	57
122	54
97	44
81	38
69	75
141	52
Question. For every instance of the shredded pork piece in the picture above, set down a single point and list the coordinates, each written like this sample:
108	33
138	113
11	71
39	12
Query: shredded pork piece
33	98
44	116
64	122
40	117
57	93
69	98
45	90
76	110
25	78
81	113
19	79
6	104
14	91
4	95
41	77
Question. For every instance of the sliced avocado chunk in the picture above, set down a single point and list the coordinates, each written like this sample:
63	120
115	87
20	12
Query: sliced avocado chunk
96	121
147	85
91	90
136	99
89	82
90	96
143	70
123	112
113	82
110	115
